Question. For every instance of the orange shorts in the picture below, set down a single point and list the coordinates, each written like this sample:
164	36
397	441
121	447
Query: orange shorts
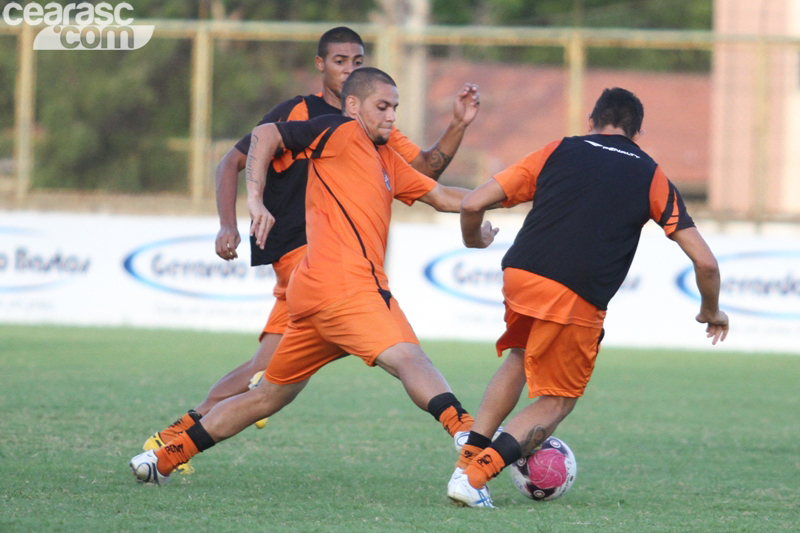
279	316
278	319
559	358
361	325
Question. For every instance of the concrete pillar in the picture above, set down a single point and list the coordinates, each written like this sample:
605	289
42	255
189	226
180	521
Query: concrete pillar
406	63
24	106
575	57
200	127
755	168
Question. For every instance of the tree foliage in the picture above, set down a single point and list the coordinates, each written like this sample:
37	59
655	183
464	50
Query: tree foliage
642	14
109	119
651	14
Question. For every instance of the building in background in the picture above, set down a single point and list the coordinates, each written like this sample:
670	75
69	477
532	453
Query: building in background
755	159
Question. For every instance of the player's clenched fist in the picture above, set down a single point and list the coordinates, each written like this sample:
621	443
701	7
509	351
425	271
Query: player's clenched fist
227	241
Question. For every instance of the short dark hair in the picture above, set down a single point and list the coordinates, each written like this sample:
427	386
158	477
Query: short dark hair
619	108
340	34
361	82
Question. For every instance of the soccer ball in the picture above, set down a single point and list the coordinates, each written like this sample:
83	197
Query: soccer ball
546	474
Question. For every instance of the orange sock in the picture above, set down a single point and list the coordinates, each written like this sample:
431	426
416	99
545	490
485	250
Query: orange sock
468	453
179	426
175	452
453	421
484	467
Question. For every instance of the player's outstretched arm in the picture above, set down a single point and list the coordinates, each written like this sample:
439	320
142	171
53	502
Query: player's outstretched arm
707	276
265	141
228	169
474	231
445	199
433	161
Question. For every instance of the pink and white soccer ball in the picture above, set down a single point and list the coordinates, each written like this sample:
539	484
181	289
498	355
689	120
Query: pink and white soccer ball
546	474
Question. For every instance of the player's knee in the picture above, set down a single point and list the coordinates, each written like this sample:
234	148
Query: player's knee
272	397
401	357
262	392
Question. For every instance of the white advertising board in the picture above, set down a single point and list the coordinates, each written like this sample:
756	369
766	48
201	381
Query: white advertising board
131	271
163	272
449	291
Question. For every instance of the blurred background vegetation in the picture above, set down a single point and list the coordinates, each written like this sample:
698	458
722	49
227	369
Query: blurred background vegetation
105	119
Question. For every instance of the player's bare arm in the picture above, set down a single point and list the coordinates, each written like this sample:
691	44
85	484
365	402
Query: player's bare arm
227	177
265	142
445	199
476	233
707	277
433	161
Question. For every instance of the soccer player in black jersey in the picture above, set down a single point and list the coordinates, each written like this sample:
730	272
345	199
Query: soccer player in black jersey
591	196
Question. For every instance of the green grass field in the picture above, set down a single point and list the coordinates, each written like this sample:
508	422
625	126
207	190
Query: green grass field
664	442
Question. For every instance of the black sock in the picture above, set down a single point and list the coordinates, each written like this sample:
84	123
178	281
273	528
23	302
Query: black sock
476	439
508	448
200	437
195	415
441	402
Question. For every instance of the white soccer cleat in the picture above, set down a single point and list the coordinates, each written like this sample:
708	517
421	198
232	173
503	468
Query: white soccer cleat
145	469
460	438
465	495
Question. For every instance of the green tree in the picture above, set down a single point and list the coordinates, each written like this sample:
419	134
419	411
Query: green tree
8	68
107	119
642	14
650	14
107	116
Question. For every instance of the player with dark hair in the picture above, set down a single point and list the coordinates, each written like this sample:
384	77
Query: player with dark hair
591	196
363	85
340	52
621	109
339	297
338	35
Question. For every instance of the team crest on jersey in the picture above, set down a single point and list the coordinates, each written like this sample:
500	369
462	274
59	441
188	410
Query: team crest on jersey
386	180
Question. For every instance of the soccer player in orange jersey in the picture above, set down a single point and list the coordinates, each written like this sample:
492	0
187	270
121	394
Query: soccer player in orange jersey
338	296
591	196
340	51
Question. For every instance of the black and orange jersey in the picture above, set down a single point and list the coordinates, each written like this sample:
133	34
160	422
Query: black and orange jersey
351	184
591	196
284	190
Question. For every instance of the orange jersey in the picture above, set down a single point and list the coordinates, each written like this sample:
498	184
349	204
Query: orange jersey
397	140
351	184
403	146
284	191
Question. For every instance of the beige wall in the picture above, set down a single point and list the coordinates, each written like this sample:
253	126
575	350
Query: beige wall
792	139
755	165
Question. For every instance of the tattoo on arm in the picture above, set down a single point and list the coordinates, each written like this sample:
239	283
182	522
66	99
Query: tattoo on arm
535	438
249	166
438	160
